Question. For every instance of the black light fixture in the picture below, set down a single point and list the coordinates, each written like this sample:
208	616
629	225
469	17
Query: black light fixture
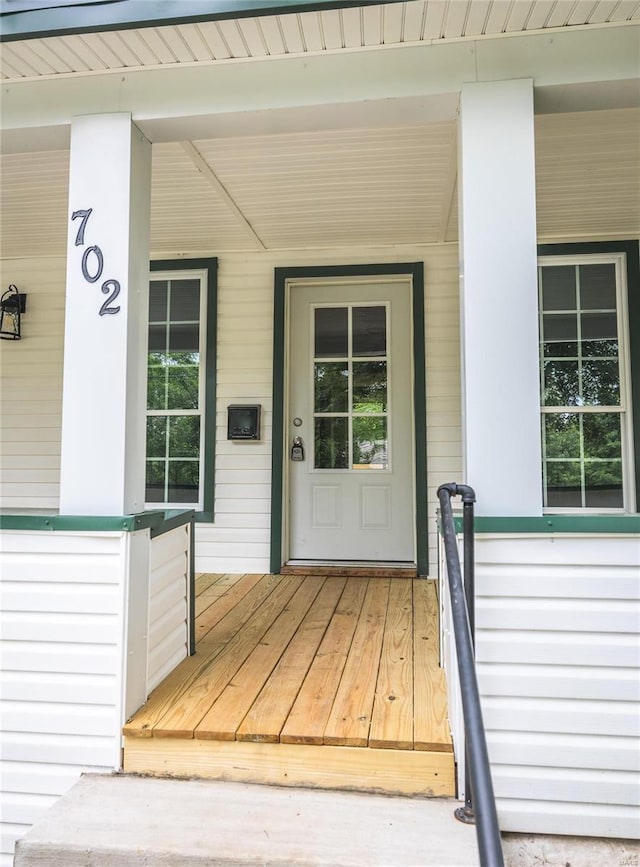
12	305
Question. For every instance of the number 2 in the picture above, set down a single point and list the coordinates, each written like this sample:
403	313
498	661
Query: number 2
115	287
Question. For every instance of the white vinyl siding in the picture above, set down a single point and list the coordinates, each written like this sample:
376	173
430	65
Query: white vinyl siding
168	597
558	667
31	387
62	650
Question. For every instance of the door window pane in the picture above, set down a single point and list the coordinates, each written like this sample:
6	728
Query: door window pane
331	386
370	444
331	450
369	386
370	330
331	332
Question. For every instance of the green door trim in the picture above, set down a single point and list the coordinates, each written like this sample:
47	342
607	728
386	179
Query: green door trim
281	276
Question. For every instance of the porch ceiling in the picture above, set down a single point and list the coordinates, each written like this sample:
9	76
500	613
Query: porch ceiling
338	187
330	30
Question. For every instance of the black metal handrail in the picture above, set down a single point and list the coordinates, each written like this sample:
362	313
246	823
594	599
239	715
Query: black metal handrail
481	806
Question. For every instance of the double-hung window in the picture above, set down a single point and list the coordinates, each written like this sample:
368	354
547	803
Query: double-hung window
180	382
587	441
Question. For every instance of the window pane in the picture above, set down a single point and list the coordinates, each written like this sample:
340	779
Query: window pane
157	338
600	383
156	386
182	385
563	484
558	287
184	436
603	484
155	481
158	301
184	338
185	300
157	436
560	383
370	446
331	444
598	287
331	332
369	331
183	482
599	326
331	386
370	386
602	435
562	435
560	335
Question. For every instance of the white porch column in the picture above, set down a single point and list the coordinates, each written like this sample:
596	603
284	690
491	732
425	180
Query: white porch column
103	413
499	324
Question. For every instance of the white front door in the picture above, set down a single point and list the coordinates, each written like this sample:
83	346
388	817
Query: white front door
350	420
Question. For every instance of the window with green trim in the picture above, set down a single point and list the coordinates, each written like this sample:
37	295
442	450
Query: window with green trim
587	444
179	448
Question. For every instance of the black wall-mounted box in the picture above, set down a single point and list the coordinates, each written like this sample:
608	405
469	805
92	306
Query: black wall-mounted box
243	422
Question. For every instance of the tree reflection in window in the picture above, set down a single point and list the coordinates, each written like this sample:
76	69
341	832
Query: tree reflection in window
580	387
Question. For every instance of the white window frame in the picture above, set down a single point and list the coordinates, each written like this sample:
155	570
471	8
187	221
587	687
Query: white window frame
202	276
624	408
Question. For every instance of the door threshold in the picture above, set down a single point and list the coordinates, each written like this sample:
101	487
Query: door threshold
351	568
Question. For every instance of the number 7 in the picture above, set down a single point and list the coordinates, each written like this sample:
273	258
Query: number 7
85	214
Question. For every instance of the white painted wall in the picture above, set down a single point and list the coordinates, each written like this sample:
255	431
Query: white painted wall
559	672
238	541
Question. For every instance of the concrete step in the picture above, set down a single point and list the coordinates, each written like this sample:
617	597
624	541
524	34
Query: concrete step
126	821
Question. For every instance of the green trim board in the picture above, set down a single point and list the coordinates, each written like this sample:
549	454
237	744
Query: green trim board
631	249
570	524
158	521
211	267
281	276
35	19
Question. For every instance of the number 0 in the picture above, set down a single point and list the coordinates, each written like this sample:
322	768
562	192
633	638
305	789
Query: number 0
97	252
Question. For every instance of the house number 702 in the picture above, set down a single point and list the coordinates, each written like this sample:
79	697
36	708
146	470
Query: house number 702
93	264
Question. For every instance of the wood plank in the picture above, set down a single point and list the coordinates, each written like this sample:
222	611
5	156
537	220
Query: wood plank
221	606
431	725
401	772
190	706
229	709
309	714
392	717
186	674
269	712
350	718
205	580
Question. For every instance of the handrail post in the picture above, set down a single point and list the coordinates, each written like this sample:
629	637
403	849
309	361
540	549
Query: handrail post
479	773
467	814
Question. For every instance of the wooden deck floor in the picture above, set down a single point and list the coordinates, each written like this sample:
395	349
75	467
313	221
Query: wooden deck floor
305	679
